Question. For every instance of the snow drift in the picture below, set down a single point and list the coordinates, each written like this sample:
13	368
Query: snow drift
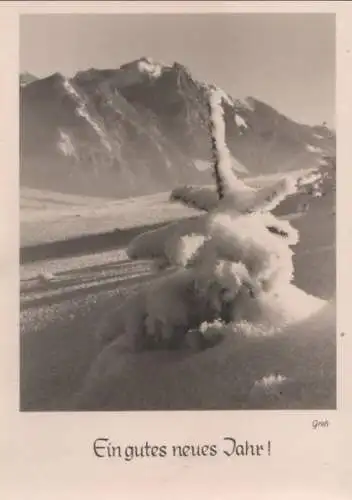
245	369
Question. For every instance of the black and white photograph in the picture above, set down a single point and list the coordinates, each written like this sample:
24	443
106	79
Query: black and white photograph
177	212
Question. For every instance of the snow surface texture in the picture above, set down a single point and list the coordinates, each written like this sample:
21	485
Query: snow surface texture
121	379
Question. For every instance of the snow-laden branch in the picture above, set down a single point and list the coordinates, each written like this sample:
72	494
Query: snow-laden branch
170	245
199	197
226	180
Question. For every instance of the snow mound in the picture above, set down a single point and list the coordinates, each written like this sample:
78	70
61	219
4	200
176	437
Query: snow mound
119	379
271	312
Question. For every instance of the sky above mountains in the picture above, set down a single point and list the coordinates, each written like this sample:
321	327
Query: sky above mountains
286	60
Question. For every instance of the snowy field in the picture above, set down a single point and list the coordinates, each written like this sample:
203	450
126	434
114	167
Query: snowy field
47	216
59	315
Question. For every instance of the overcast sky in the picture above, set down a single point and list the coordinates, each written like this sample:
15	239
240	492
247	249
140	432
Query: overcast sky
286	60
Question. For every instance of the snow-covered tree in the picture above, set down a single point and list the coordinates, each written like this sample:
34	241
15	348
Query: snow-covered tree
232	263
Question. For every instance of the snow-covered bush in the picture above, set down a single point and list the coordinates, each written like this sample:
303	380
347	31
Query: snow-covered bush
161	314
234	262
238	271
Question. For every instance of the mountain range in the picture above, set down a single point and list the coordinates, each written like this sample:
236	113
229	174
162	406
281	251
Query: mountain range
143	128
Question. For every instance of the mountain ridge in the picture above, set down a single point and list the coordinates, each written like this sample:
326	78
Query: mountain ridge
143	128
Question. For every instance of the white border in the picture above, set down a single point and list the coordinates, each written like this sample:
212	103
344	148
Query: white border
50	456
